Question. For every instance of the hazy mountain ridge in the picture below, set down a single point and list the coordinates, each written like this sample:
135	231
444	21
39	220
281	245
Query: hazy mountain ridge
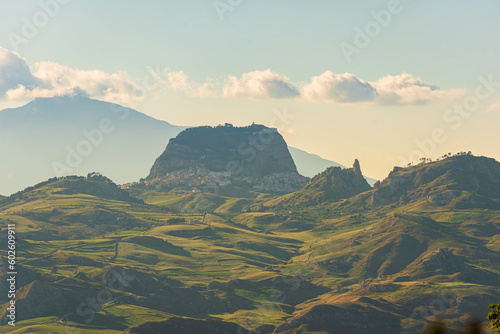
40	132
74	135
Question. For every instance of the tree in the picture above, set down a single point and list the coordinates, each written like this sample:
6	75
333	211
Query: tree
95	176
494	317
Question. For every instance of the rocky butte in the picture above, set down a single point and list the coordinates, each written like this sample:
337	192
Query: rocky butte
254	156
336	183
332	185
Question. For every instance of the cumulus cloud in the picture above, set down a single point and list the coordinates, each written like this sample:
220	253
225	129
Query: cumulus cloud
403	89
407	89
47	79
14	71
56	80
260	85
342	88
180	82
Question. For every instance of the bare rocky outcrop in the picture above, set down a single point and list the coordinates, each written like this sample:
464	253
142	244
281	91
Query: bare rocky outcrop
338	183
334	184
219	156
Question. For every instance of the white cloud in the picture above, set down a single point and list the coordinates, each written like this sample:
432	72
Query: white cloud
47	79
56	80
180	82
340	88
14	71
407	89
403	89
260	85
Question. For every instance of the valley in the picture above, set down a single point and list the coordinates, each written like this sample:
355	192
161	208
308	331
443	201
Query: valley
108	260
249	167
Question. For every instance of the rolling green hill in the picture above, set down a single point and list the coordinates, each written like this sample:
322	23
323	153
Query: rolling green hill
419	245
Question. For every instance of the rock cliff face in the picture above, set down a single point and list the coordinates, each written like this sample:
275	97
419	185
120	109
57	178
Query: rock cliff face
225	154
336	183
332	185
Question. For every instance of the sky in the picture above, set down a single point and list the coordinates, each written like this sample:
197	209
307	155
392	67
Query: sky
386	82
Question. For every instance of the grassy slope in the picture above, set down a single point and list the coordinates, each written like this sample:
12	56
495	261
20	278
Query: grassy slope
347	250
219	253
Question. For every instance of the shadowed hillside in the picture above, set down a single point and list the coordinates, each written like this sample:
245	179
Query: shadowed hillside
353	259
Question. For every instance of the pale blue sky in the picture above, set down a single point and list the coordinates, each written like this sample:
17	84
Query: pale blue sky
446	43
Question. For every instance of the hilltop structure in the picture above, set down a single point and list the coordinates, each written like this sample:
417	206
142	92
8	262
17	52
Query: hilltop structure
254	156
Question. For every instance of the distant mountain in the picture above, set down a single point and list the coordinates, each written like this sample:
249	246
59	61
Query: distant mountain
254	155
75	135
311	165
